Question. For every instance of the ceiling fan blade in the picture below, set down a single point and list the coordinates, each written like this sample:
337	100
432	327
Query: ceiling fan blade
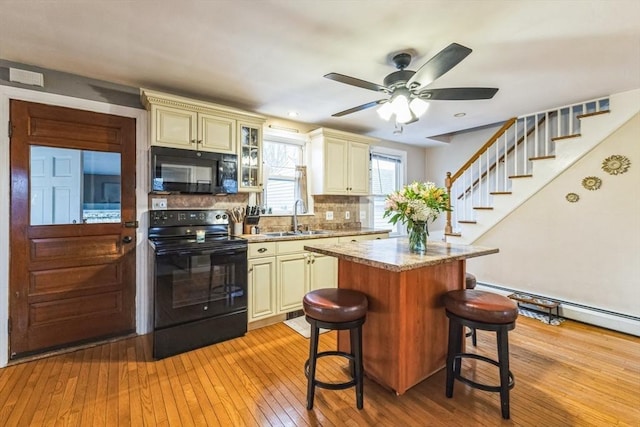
356	82
359	108
458	93
442	62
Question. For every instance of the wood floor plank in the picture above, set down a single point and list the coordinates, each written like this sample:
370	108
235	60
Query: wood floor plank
572	374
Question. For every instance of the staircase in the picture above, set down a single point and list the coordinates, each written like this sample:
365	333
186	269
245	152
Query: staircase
523	156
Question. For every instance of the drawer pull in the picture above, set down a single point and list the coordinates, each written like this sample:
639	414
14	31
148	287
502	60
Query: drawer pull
262	250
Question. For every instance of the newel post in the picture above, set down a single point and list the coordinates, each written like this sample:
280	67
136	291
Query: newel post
448	229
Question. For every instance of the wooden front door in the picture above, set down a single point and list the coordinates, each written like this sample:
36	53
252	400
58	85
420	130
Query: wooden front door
72	259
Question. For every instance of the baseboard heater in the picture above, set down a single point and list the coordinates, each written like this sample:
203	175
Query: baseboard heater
626	323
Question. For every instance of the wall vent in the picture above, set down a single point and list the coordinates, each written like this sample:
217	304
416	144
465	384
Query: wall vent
26	77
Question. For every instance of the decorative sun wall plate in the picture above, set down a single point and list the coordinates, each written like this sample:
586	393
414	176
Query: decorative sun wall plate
616	164
591	183
572	197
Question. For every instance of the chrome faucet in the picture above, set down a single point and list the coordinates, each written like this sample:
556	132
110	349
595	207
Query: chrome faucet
295	215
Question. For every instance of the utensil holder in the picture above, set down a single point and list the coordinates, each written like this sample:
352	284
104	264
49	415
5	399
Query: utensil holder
237	228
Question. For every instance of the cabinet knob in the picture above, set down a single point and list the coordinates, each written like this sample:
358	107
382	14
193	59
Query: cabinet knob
262	250
193	141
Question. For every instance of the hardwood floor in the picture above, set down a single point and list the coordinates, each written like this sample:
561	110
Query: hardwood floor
569	375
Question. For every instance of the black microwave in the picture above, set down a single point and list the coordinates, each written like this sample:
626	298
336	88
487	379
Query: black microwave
182	171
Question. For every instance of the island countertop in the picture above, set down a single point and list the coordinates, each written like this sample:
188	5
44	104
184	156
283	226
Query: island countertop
393	254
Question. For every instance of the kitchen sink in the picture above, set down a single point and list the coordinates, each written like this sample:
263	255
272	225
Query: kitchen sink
280	233
312	232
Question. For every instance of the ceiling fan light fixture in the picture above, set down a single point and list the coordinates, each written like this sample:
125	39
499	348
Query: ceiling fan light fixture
400	106
418	106
385	111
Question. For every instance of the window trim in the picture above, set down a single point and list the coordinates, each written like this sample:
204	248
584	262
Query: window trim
302	140
392	153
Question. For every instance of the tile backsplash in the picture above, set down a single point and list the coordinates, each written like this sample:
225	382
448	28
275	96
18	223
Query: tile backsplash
339	205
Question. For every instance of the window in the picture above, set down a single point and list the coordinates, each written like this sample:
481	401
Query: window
387	175
279	171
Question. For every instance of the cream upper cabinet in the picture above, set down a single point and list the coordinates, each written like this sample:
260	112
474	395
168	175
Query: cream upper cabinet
250	156
181	128
340	162
179	122
216	133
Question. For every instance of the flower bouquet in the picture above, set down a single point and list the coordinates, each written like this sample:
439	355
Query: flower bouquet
416	205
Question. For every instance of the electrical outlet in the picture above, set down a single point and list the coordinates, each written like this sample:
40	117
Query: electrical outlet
329	215
363	215
158	204
347	215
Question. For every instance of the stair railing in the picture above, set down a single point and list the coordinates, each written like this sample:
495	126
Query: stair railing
508	155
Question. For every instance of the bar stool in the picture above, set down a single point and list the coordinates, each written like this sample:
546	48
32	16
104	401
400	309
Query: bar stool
470	283
335	309
483	311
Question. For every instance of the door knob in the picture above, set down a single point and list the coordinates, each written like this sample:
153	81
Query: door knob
127	239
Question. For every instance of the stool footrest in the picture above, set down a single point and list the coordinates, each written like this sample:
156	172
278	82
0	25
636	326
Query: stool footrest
471	383
331	386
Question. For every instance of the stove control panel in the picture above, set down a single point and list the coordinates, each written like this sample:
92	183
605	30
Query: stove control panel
188	217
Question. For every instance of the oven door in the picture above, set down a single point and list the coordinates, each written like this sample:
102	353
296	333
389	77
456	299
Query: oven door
197	284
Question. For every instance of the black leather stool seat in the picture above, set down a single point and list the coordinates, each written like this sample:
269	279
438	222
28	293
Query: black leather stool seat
335	305
486	311
337	309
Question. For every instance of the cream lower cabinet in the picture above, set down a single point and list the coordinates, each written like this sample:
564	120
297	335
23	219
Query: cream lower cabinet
281	273
262	292
261	278
301	273
324	272
293	281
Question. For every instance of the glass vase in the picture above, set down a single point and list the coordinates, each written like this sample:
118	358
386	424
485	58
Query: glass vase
418	234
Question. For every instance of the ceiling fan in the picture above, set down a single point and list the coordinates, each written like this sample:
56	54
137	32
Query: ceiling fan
409	95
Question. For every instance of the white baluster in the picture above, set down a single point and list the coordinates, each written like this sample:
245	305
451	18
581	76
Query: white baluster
547	124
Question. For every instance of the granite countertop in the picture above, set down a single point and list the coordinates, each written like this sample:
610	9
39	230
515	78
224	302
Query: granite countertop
393	254
256	238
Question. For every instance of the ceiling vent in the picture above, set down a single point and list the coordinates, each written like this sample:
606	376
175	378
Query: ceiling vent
26	77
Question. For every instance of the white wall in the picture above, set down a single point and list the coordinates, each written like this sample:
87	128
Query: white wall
587	252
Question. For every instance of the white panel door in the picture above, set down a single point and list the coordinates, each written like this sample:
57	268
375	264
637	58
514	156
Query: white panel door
56	181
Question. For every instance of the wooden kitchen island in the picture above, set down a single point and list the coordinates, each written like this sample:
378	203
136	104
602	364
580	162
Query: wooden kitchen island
405	335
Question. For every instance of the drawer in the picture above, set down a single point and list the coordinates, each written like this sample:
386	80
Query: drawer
297	246
362	237
258	250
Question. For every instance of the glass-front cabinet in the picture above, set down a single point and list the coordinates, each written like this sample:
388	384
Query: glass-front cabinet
250	157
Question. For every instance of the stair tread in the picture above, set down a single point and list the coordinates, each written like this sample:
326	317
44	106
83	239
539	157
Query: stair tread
595	113
542	157
520	176
467	222
453	234
558	138
494	193
483	207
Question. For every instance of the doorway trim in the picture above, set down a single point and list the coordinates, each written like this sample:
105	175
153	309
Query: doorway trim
143	286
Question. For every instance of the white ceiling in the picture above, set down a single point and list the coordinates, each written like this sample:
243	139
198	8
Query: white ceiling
269	56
